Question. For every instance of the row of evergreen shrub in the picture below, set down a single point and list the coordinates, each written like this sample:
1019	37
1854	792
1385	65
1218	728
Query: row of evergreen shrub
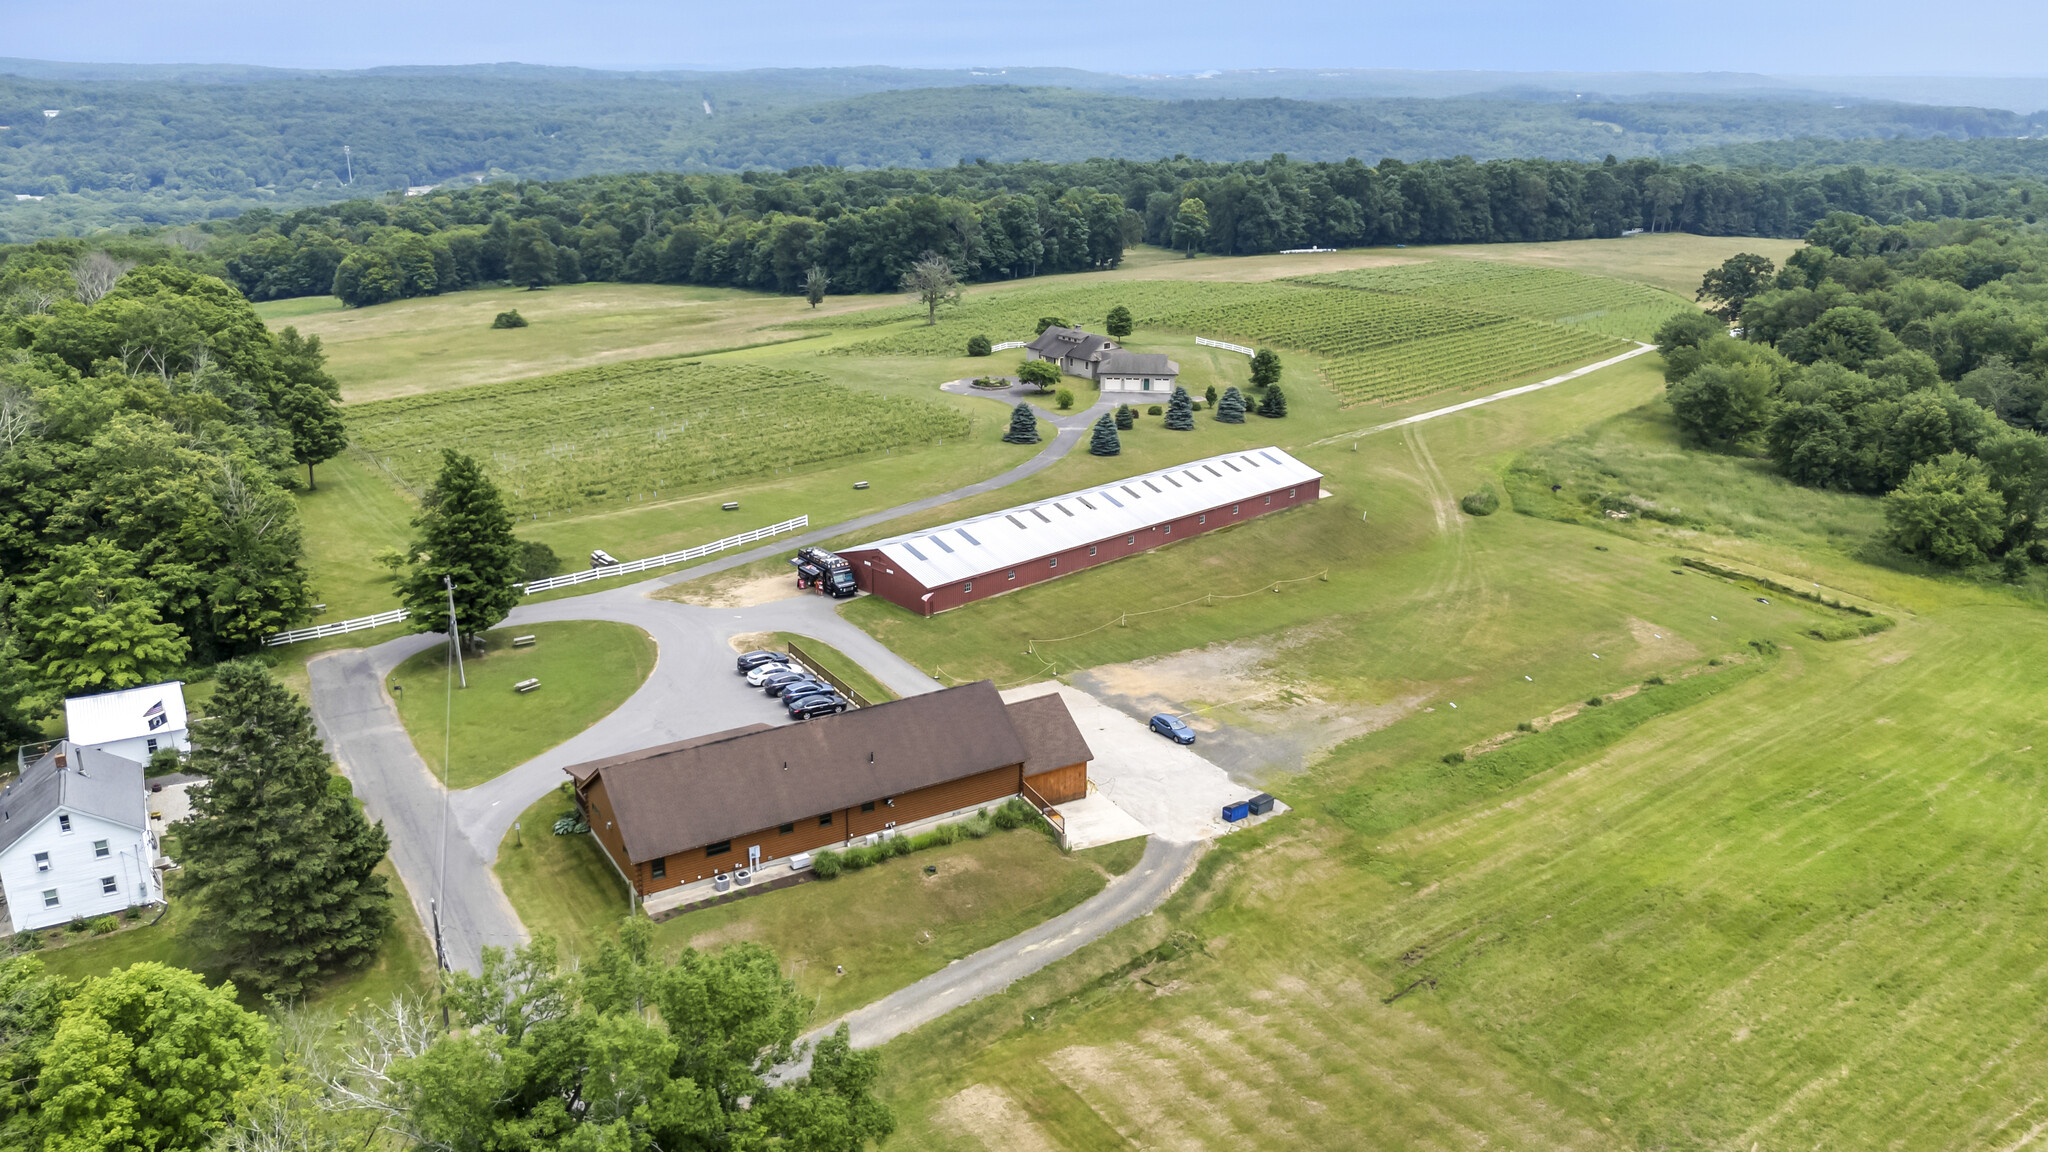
828	863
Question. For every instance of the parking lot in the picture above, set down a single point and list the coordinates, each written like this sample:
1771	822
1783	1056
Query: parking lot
1161	788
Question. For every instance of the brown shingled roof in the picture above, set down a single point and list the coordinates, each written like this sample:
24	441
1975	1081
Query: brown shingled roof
584	771
685	796
1050	738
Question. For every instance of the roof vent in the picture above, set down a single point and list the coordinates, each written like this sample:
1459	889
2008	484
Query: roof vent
60	760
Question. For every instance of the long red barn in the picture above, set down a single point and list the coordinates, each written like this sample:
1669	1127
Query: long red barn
969	560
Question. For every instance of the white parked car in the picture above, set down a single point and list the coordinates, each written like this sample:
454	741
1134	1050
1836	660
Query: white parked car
762	673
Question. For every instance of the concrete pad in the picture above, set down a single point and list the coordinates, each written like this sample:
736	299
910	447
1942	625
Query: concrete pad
1167	788
1095	820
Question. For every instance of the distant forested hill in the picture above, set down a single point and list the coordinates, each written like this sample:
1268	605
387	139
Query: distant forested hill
169	146
1986	157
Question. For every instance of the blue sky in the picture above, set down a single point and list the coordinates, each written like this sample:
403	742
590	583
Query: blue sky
1831	37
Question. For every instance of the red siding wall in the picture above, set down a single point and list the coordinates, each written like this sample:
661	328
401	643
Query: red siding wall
876	573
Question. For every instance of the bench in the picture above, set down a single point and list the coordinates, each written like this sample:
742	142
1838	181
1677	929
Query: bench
523	641
731	506
527	685
860	485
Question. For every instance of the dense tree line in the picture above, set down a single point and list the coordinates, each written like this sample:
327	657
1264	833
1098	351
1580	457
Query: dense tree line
161	150
1904	360
864	230
149	427
2007	156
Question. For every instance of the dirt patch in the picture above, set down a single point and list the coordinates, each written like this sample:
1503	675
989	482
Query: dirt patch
1657	646
755	641
730	934
1251	719
740	591
988	1114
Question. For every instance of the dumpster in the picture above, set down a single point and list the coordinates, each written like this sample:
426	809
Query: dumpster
1261	804
1232	813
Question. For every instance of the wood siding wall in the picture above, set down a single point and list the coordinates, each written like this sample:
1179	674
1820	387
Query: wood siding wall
1061	785
876	573
806	835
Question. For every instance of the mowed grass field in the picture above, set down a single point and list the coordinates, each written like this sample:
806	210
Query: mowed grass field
1791	912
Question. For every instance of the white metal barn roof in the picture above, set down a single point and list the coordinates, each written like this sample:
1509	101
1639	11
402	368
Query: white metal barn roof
126	714
968	548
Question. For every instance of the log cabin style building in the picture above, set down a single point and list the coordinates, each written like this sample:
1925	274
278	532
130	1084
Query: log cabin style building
689	811
968	560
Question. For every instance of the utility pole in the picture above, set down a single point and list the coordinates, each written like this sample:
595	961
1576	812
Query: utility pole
350	160
454	637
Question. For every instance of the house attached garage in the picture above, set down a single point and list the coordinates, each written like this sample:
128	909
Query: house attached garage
971	560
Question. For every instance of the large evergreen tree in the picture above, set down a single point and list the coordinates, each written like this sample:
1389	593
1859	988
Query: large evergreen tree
1023	426
278	852
1180	411
1275	403
1126	417
1230	409
465	534
1104	442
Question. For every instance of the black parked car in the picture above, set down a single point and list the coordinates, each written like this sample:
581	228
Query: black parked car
752	660
805	707
775	685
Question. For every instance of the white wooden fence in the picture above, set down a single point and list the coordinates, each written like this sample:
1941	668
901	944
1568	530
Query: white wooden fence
322	631
1006	345
1204	340
667	558
341	627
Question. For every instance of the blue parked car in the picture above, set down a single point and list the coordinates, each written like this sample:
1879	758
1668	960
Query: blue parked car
1173	728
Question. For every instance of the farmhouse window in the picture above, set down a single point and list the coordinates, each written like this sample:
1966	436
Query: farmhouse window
49	897
825	821
718	849
660	869
786	829
64	823
100	851
109	886
151	743
1091	549
868	807
42	861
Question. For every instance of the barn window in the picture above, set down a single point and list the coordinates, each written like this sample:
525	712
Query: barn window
1053	563
1291	492
1202	519
967	587
1091	549
1169	529
718	849
659	870
1130	539
1269	498
1013	573
786	829
1236	508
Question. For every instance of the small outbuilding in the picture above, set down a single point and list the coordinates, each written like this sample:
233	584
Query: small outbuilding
133	723
968	560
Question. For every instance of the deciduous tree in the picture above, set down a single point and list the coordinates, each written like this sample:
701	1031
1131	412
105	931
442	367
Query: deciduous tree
148	1057
1190	225
1118	324
1040	374
86	622
933	283
1946	511
1721	404
1727	288
1265	367
308	398
815	283
278	852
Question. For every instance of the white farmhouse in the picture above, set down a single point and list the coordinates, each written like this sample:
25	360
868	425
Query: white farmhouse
75	839
133	723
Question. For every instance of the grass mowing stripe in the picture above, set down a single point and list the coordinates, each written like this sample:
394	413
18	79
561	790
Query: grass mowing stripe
1414	792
